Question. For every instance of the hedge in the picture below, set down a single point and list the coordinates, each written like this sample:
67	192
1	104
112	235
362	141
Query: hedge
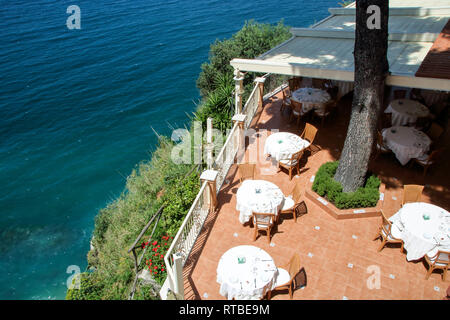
325	186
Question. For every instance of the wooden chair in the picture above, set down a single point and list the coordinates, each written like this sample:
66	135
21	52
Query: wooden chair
318	83
326	111
411	193
291	164
422	123
286	102
380	146
386	120
263	222
441	260
247	171
294	83
428	159
296	110
399	94
309	133
287	278
385	233
416	95
333	92
294	206
435	132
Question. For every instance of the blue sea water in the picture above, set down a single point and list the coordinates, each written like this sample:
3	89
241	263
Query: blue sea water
77	108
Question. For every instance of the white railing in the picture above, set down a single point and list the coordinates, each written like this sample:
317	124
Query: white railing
251	106
186	236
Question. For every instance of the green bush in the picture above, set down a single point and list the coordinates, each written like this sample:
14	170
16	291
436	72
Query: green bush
325	186
251	41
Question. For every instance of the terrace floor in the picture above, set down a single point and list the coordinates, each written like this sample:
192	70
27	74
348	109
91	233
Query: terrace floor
325	253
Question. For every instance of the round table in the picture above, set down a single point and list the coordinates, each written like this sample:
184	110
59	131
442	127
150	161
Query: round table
406	142
405	111
258	196
282	145
311	98
246	273
421	235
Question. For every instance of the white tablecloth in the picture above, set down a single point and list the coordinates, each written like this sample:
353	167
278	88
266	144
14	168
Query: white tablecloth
406	142
311	98
422	236
249	280
282	145
405	111
258	196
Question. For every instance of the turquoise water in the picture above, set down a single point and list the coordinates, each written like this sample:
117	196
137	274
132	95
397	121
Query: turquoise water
77	108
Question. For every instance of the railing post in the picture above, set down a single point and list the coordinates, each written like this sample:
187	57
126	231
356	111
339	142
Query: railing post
239	79
260	81
209	145
178	273
240	120
210	177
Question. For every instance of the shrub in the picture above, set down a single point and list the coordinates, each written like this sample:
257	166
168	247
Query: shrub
325	186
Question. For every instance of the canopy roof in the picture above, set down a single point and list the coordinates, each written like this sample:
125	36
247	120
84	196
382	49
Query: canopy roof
325	50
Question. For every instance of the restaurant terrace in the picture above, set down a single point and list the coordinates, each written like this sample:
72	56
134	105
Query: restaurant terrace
258	230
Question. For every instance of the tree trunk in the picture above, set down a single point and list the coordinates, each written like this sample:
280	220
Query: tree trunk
371	68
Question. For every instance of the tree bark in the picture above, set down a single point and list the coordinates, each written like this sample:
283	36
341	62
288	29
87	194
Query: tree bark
371	68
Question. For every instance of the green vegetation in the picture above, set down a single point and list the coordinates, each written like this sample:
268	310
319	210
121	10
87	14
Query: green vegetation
325	186
162	182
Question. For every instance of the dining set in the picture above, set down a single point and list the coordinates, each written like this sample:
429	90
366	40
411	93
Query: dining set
248	272
318	100
409	133
422	229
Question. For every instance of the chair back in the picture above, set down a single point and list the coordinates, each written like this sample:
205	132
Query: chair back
380	140
411	193
435	154
386	120
263	220
386	224
318	83
297	192
441	259
247	171
309	133
333	91
296	156
296	106
294	265
435	131
399	94
286	93
294	83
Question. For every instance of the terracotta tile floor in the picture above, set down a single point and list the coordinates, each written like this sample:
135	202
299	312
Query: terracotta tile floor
337	257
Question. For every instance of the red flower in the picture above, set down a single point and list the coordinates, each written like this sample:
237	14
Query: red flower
165	244
154	243
162	269
162	256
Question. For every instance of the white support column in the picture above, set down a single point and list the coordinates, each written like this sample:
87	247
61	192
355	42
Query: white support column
210	176
178	272
239	89
240	120
260	81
